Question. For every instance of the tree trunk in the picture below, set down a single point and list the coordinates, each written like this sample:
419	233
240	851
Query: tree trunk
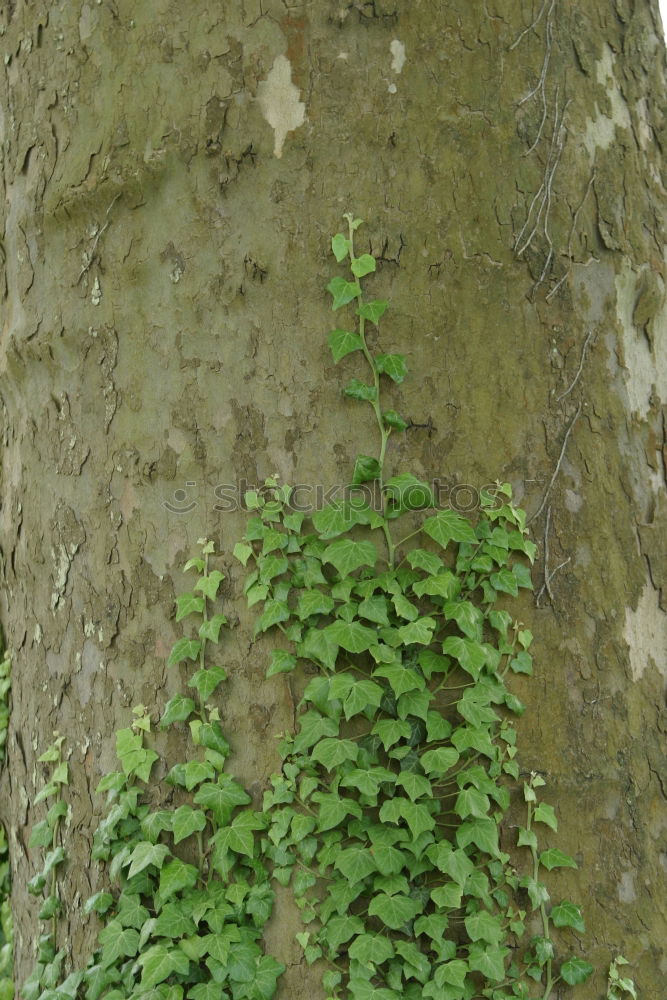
172	176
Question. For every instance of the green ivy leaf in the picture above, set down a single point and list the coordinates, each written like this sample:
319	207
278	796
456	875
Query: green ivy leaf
188	604
446	526
117	942
355	863
342	343
361	266
332	752
159	962
340	246
576	971
347	555
568	915
361	989
553	858
439	761
420	631
145	854
357	389
186	822
207	680
394	911
210	629
239	836
222	798
482	926
184	649
394	366
366	469
282	662
467	652
373	310
342	292
489	961
175	876
395	420
177	709
545	814
313	602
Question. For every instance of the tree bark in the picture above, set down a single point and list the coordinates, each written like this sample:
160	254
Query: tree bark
172	175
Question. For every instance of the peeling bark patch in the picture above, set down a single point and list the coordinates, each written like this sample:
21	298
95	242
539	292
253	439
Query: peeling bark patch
646	634
601	130
645	360
279	100
397	50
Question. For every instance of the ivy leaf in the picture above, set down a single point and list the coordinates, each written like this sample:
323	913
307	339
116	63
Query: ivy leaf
342	292
145	854
395	420
175	876
343	343
361	989
470	654
452	973
320	646
282	662
313	602
186	822
340	246
177	709
364	694
373	310
394	911
188	604
354	637
406	492
240	837
366	469
184	649
267	972
337	518
575	971
391	731
505	581
334	809
446	526
222	798
241	552
173	922
420	631
159	962
437	762
568	915
347	555
545	814
207	680
361	266
357	389
394	366
211	629
482	926
274	612
331	752
400	679
118	942
481	832
355	863
489	961
553	858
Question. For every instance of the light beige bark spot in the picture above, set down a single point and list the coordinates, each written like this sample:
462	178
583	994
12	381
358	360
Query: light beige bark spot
601	130
645	364
279	100
397	50
646	634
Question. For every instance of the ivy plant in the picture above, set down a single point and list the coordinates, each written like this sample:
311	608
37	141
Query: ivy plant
386	817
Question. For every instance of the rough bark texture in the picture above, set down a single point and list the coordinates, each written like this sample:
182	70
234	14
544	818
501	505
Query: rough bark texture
172	173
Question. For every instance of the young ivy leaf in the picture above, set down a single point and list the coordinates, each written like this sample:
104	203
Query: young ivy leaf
372	310
340	246
363	265
359	390
392	365
575	971
366	469
342	292
342	342
394	420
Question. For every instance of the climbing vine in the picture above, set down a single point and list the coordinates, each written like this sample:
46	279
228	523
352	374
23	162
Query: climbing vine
390	815
386	816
